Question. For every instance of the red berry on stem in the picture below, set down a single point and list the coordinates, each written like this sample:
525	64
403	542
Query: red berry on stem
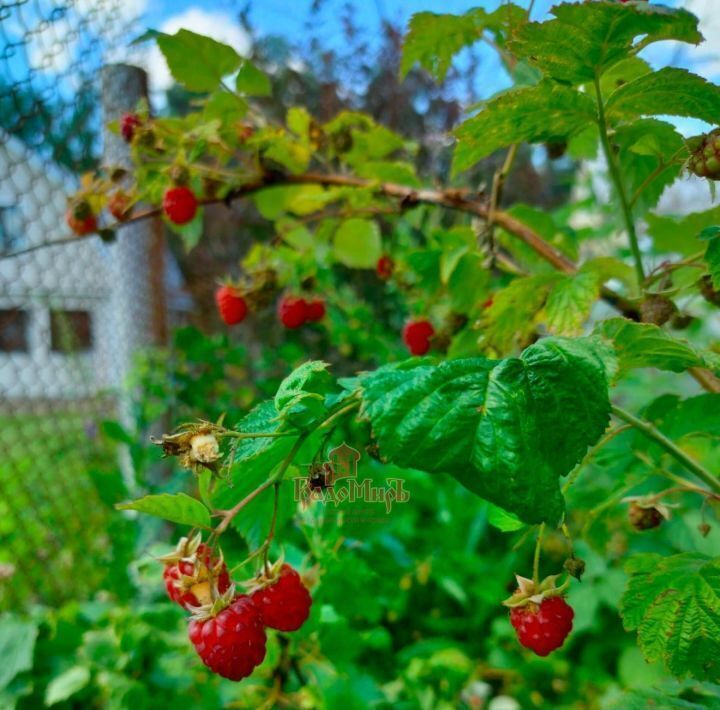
315	310
232	643
416	335
385	267
180	204
292	311
285	603
198	567
81	225
543	627
128	123
118	205
231	306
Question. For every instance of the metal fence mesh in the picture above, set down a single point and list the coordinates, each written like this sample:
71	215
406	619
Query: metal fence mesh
58	353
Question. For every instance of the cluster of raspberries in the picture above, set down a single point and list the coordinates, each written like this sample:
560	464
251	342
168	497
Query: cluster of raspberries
226	628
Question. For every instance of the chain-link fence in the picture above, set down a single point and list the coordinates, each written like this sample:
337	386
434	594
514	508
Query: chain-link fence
70	314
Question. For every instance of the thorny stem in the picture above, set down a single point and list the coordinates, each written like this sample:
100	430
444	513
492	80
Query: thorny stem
536	559
275	478
450	198
681	483
665	268
619	185
498	187
259	435
228	515
646	428
273	521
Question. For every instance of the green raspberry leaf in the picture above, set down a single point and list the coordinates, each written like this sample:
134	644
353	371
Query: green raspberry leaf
506	429
251	81
712	253
672	234
570	301
548	112
586	39
668	92
197	62
178	508
674	604
511	320
648	150
432	40
17	645
646	345
300	399
358	243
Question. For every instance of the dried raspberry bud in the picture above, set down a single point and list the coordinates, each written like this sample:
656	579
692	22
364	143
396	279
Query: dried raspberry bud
646	513
179	174
704	529
657	309
705	159
708	291
195	444
204	448
575	567
119	205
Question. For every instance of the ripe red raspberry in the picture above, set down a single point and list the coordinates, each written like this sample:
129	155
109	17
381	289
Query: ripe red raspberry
81	219
285	603
180	204
128	123
186	577
231	306
119	205
232	643
543	627
416	335
292	311
385	267
705	159
315	310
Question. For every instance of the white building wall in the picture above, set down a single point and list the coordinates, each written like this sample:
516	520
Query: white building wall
66	277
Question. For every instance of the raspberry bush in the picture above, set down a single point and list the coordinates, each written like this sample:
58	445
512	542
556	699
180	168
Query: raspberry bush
526	331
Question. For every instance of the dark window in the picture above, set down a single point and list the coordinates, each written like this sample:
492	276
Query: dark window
70	331
11	229
13	331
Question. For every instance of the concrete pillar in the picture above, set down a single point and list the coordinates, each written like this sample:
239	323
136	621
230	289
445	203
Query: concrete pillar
133	257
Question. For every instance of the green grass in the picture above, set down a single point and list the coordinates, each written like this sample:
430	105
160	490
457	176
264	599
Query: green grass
52	521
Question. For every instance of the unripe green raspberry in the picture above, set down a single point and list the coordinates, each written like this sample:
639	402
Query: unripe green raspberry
705	159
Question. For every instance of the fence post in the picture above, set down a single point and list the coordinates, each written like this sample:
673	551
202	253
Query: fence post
135	310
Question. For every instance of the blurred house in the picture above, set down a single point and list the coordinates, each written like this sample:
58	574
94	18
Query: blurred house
69	318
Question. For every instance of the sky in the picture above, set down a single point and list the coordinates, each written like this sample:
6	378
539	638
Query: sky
288	18
51	45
